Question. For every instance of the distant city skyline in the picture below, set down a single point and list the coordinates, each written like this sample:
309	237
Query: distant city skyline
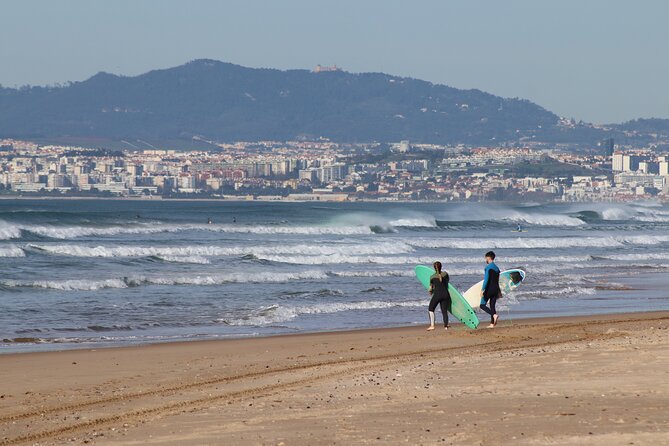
600	61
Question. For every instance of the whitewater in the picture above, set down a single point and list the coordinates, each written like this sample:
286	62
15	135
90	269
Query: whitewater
97	272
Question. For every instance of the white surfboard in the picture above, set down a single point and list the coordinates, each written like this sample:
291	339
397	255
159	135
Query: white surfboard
509	280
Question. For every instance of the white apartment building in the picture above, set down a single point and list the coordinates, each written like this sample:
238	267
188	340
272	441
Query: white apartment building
664	168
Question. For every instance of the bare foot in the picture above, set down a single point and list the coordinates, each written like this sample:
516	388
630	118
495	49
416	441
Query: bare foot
491	326
494	319
430	328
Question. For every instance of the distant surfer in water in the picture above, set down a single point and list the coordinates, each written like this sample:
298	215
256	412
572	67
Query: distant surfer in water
440	296
520	228
490	291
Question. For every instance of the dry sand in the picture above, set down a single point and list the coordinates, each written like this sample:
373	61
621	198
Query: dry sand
601	380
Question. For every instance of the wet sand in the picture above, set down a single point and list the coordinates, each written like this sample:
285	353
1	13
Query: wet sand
599	380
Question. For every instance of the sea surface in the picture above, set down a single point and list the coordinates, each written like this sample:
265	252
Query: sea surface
88	273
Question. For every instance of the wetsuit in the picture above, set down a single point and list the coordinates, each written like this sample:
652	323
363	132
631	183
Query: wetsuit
440	295
491	291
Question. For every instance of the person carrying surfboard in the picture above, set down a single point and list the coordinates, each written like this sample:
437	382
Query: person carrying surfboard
490	290
440	295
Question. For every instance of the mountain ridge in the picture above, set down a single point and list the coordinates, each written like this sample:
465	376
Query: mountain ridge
222	101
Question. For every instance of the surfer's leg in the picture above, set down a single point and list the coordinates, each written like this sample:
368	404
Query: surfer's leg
485	308
431	314
490	311
430	311
493	302
444	310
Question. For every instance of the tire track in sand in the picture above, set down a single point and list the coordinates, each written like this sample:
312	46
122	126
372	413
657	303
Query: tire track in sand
349	365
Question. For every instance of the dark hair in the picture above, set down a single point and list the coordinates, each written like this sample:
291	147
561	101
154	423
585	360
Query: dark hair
490	254
437	268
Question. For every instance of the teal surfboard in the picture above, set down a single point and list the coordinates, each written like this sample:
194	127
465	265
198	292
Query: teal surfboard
459	306
509	280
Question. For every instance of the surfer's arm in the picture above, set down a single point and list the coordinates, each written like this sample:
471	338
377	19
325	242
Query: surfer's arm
486	278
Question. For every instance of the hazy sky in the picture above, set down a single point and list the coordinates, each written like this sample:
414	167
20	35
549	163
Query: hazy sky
597	60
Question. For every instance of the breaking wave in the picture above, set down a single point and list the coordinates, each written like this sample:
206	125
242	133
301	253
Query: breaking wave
67	285
615	214
380	273
184	259
496	214
425	222
553	293
277	313
70	232
382	224
9	231
125	282
637	256
539	242
398	260
214	251
11	251
640	212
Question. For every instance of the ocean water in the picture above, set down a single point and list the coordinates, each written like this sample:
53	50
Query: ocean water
111	272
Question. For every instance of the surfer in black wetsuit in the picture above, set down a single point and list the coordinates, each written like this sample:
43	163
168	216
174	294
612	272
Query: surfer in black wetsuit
490	290
440	295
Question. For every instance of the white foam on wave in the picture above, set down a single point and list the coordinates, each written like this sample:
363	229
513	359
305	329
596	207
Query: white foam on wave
77	250
419	222
303	230
615	214
70	232
538	242
544	219
375	273
649	214
340	259
185	259
11	251
9	231
279	313
645	239
637	256
496	213
125	282
401	218
652	218
221	279
398	260
67	285
644	212
572	291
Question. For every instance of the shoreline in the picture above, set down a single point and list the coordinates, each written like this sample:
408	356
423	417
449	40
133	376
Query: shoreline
594	380
244	200
230	200
534	320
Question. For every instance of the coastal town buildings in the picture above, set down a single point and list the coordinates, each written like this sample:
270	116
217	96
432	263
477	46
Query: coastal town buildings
324	170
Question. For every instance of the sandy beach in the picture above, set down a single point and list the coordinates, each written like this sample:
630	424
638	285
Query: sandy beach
599	380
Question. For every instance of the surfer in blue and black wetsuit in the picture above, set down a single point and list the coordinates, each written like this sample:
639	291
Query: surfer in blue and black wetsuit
490	291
